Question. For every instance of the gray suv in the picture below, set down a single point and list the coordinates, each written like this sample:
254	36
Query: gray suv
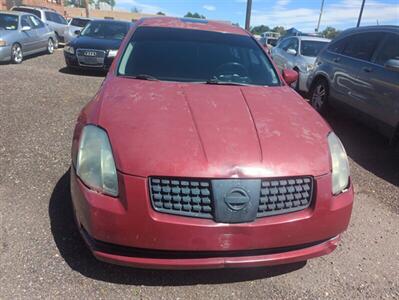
50	17
359	70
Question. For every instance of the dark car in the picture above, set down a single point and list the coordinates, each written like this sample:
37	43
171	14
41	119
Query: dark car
360	70
97	44
196	154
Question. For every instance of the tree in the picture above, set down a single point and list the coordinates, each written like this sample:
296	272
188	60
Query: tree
279	29
160	13
194	15
109	2
330	32
260	29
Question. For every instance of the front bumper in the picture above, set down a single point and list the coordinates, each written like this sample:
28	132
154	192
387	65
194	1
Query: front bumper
5	53
128	231
72	61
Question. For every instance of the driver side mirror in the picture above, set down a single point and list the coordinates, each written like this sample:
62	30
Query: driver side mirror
392	64
77	32
291	51
25	28
290	76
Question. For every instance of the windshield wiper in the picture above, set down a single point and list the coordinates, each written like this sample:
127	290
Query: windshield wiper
216	81
144	77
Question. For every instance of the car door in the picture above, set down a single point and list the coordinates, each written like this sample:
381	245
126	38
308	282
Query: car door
41	33
56	23
383	94
278	53
28	37
358	67
289	58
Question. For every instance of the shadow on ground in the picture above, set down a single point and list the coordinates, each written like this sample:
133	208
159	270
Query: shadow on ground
92	73
366	147
75	253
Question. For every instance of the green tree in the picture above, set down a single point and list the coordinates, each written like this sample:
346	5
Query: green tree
194	15
279	29
330	32
160	13
260	29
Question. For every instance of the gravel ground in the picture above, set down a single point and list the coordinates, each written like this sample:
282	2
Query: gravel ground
42	256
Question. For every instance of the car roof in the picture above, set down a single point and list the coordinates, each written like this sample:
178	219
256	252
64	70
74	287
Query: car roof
15	13
392	28
190	23
313	38
37	8
110	21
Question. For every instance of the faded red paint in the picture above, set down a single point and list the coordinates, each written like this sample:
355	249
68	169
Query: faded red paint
198	130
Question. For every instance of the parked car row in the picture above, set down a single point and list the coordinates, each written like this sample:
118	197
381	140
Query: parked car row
24	34
358	71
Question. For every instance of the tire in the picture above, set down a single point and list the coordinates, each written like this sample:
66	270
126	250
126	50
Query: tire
50	46
17	55
319	96
56	42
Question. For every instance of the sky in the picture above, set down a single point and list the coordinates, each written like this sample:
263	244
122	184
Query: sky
301	14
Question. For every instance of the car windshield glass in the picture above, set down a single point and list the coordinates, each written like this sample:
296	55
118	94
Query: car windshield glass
8	22
106	30
312	48
79	22
185	55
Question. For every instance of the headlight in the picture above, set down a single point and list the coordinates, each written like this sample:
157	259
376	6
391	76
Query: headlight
309	68
340	164
3	43
112	53
69	49
95	164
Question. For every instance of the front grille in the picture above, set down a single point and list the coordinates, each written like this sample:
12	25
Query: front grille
184	197
91	57
194	197
281	196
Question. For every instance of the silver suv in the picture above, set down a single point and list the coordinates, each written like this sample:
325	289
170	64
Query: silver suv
52	18
298	53
359	70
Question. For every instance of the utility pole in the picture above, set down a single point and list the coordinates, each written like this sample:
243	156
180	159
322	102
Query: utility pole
321	12
360	14
248	16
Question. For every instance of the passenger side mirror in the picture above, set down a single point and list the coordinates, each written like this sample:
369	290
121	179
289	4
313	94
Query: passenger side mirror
26	28
77	32
392	64
290	76
291	51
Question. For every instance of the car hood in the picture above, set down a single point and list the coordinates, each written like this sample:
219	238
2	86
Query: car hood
198	130
86	42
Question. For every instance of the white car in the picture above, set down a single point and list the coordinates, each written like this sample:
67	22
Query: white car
298	53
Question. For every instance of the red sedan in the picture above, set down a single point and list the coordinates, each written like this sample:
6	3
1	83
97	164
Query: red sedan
196	153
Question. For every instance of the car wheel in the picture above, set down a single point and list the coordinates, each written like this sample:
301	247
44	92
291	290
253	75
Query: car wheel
17	55
50	46
319	96
56	42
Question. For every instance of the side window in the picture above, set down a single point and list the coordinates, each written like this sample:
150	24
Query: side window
284	44
338	46
36	22
58	18
49	16
389	50
293	44
363	45
25	21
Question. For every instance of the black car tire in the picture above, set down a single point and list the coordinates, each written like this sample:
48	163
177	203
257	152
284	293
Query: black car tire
319	96
17	55
50	46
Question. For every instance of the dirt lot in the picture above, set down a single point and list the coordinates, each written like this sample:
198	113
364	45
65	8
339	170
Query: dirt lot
41	254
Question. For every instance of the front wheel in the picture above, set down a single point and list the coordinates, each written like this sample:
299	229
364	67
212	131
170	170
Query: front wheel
319	96
16	54
50	46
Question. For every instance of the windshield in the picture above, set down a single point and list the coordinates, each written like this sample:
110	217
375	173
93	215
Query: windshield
106	30
185	55
8	22
79	22
312	48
